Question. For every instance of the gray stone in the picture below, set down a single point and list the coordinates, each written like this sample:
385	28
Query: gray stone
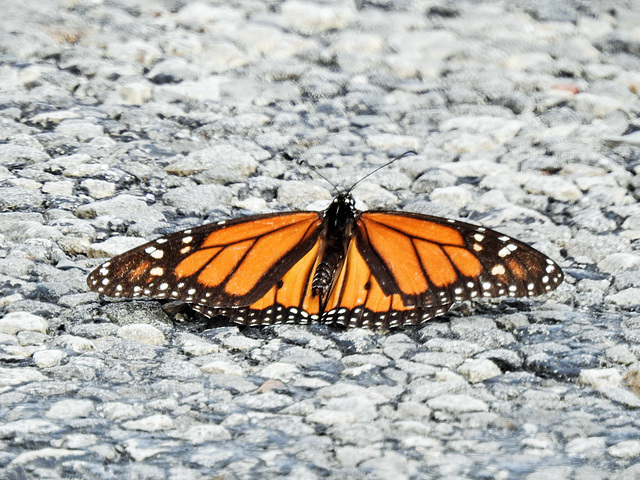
626	449
198	199
70	408
457	404
47	454
479	370
601	378
204	433
152	423
126	207
14	322
141	332
18	375
48	358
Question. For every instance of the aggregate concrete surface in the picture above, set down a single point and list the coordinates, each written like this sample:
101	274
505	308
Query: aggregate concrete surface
126	120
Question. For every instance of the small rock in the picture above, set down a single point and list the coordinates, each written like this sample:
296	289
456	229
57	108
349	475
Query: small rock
135	93
150	424
220	366
479	370
616	263
231	338
589	445
14	322
457	404
99	188
310	17
126	207
626	449
46	454
142	332
280	371
600	378
118	411
30	426
74	343
204	433
457	196
64	187
48	358
626	297
199	199
621	354
70	408
622	396
236	161
555	187
18	375
196	346
331	417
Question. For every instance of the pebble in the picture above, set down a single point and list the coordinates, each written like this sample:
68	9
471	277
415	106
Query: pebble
66	409
31	426
48	358
309	18
585	446
600	378
126	207
45	454
626	449
221	366
152	423
457	404
99	188
75	343
18	375
479	370
15	322
626	297
141	332
199	199
113	246
557	188
238	165
204	433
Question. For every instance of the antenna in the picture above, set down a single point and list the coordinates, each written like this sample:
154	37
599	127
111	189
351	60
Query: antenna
408	152
319	174
382	166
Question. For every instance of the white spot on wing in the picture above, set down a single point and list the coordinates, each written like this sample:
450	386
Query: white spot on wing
498	270
157	271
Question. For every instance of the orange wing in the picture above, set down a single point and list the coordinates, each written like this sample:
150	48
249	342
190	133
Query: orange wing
403	268
233	263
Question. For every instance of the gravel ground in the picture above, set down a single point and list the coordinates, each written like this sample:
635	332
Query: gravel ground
122	121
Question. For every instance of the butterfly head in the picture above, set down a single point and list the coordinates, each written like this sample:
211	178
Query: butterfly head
341	212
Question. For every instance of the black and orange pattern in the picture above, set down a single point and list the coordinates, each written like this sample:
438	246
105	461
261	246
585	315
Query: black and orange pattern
376	269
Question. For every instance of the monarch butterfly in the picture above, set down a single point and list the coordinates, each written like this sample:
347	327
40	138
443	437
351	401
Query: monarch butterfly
378	269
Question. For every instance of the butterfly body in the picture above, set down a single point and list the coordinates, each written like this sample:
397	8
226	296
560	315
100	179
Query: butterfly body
373	268
337	230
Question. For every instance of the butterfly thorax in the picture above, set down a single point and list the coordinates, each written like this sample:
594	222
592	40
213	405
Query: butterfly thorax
338	221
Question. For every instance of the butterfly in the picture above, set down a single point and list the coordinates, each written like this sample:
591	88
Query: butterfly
377	269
